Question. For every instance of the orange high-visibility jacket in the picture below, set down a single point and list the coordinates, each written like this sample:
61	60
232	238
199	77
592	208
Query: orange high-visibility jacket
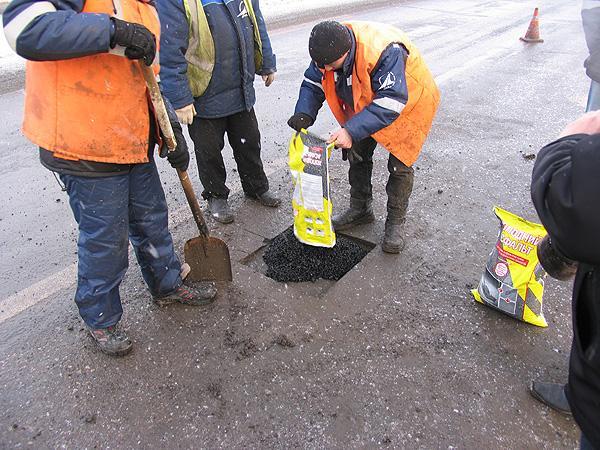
405	136
93	108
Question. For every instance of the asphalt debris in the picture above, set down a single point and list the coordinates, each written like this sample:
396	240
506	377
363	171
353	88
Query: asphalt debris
289	260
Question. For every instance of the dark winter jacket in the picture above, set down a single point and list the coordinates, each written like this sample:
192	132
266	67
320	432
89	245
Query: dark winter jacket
374	117
565	190
590	15
231	87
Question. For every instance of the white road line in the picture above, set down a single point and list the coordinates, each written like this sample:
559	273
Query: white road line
43	289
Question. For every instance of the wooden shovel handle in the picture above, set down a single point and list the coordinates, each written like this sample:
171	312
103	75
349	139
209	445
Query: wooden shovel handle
165	125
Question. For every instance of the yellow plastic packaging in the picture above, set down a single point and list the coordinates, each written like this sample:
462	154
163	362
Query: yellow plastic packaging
513	281
309	165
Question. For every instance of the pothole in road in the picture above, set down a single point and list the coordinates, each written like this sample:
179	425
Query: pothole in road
287	260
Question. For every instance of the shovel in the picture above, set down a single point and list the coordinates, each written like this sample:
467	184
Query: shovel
207	256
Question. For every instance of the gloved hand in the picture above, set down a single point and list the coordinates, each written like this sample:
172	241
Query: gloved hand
138	41
186	114
554	262
299	121
180	157
268	79
351	154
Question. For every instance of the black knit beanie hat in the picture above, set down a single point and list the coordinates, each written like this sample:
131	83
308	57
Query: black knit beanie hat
328	41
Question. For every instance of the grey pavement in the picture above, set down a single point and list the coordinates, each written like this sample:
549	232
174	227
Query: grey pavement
396	354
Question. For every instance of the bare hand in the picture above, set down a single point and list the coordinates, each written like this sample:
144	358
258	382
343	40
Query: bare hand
589	123
341	138
186	114
268	79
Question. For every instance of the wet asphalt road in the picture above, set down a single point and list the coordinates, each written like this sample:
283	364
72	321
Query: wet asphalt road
395	354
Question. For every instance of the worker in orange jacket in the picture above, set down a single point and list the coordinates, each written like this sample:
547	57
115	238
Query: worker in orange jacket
381	92
86	107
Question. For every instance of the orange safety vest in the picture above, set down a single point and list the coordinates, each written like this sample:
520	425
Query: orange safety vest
404	137
93	108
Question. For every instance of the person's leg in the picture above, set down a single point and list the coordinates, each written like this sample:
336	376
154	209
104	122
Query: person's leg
361	190
244	137
399	188
100	208
593	103
152	241
208	136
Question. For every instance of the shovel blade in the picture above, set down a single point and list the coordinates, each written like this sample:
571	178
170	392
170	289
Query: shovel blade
208	259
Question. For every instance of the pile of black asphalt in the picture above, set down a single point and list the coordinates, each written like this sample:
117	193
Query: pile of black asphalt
289	260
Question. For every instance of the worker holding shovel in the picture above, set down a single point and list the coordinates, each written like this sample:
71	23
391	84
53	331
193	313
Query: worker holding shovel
380	91
86	107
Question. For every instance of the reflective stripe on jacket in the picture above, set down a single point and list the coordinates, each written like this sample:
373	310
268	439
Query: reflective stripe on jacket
92	108
405	137
200	54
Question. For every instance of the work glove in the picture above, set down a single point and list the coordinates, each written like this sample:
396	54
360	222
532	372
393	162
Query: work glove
268	79
554	262
138	41
351	154
179	158
299	121
186	114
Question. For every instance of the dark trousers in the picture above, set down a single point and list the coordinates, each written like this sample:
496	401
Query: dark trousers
244	137
399	185
110	211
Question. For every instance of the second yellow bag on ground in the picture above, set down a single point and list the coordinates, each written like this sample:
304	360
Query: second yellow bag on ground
513	280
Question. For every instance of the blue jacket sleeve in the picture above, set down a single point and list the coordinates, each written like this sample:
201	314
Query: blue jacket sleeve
55	29
173	46
388	81
269	60
311	96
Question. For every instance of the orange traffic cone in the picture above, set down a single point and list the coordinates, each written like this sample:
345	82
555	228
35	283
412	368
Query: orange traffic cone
533	32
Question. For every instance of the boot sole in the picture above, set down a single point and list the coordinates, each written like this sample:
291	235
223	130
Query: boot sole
391	249
359	221
116	353
221	220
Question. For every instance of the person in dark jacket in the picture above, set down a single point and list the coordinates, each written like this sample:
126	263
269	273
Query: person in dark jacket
590	15
565	190
380	91
86	107
208	76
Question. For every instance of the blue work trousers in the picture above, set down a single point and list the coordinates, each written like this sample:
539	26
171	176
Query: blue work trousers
109	210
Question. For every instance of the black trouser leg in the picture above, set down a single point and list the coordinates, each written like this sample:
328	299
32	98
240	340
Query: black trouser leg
208	137
399	188
244	138
359	174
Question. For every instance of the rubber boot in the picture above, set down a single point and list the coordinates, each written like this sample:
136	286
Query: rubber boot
359	212
393	241
398	188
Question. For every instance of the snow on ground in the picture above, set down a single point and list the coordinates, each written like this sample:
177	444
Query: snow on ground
271	9
9	61
274	9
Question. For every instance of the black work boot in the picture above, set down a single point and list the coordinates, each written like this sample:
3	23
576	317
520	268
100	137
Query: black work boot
552	395
111	341
359	212
266	199
219	210
393	242
201	294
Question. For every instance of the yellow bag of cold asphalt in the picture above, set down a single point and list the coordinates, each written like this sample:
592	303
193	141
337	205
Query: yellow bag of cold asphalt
513	280
309	164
